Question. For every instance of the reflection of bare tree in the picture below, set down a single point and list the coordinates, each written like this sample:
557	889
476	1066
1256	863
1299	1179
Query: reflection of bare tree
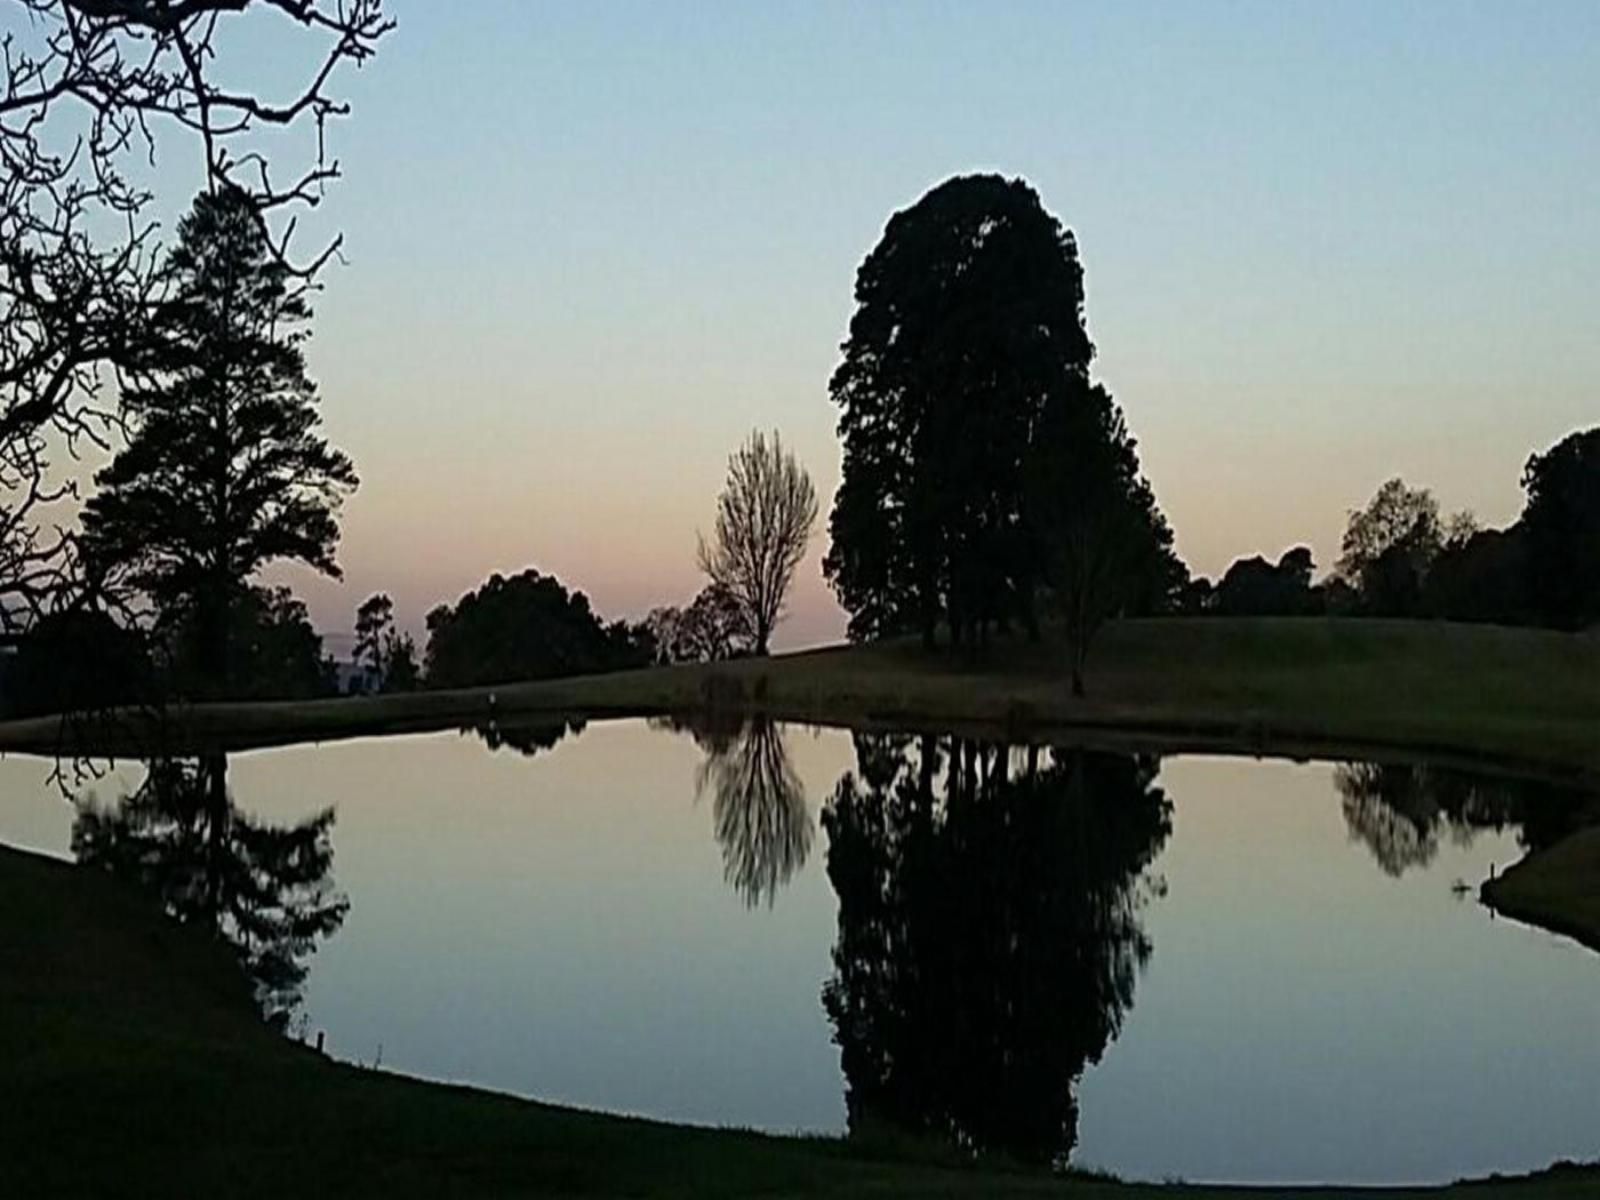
758	802
1402	811
759	808
264	889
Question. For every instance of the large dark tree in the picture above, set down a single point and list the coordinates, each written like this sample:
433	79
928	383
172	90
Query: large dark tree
1561	522
969	317
526	627
1390	546
91	90
225	470
1254	587
989	933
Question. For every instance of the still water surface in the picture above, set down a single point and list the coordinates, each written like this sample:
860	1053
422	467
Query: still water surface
1218	969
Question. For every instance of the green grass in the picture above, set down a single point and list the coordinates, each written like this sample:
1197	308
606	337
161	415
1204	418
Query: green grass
1519	698
1557	888
131	1064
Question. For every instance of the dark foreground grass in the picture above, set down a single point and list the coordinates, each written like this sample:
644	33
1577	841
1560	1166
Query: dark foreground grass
1516	698
1557	888
131	1064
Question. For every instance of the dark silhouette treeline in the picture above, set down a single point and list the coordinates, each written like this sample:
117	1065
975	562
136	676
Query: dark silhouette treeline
1400	558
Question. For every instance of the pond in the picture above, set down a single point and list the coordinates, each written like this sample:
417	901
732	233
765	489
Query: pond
1196	967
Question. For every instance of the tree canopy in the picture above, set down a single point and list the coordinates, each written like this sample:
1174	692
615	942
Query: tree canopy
526	627
225	469
978	457
91	88
1562	522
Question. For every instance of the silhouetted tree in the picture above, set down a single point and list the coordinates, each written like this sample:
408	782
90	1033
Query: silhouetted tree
759	808
1562	524
1390	545
764	520
274	653
74	661
265	890
989	933
969	317
388	657
526	627
1090	522
1253	587
712	629
89	89
225	470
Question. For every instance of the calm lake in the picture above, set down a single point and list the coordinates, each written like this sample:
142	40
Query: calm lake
1207	968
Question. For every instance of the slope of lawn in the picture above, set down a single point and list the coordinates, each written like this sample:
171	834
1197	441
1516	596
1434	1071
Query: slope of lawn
1520	698
1557	888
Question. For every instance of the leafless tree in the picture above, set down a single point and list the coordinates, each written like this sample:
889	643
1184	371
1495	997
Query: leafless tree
88	87
764	519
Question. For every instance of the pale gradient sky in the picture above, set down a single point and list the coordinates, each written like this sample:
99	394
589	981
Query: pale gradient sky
591	245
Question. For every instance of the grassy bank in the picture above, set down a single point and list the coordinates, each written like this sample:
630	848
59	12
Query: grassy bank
132	1064
1526	699
1557	889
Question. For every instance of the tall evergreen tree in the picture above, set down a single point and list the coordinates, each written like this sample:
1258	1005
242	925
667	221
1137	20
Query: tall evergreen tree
226	469
969	314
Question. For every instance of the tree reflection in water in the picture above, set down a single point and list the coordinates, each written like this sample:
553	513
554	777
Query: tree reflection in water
989	933
758	804
1402	811
758	807
265	890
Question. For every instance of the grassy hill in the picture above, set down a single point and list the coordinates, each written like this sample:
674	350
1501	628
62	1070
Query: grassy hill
1521	698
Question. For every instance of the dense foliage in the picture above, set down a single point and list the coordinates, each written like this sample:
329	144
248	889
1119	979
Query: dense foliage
527	627
1562	524
979	461
225	469
385	656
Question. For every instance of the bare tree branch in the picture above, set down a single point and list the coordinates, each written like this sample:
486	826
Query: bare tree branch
86	86
764	520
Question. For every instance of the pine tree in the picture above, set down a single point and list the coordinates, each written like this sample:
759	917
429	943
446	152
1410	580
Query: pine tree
226	469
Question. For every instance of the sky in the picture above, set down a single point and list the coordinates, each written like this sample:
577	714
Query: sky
589	247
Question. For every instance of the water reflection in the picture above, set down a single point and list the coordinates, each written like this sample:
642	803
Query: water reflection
266	890
758	804
1403	811
989	933
528	736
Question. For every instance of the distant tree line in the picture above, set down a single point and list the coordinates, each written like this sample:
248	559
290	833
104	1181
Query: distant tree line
1400	557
